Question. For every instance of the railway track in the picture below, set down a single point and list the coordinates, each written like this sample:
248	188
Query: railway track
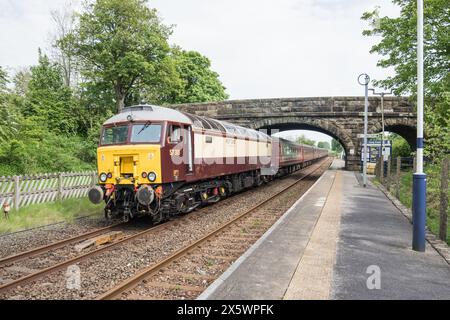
35	275
46	248
180	273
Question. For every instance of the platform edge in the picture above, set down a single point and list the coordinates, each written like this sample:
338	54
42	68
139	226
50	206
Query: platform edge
213	286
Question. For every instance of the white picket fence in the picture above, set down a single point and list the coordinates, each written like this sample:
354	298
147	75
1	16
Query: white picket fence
21	191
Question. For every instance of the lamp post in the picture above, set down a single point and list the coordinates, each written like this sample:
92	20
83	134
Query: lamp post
381	94
364	79
419	177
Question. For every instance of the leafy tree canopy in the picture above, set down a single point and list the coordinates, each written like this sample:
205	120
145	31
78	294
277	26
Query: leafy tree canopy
199	82
113	53
398	45
400	147
3	80
324	145
120	42
8	115
302	139
336	146
48	97
397	48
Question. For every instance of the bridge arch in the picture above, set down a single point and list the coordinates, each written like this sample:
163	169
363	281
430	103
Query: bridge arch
339	117
405	127
326	126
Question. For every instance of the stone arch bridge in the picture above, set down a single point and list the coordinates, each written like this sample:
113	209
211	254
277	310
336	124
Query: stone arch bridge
340	117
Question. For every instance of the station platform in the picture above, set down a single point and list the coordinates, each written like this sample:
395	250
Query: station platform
338	241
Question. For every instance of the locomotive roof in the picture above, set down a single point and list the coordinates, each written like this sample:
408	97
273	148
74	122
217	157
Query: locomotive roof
157	113
148	112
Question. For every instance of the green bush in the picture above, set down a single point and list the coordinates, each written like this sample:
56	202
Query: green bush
433	196
37	150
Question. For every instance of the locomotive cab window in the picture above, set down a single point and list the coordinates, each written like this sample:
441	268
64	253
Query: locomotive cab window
148	132
114	135
174	134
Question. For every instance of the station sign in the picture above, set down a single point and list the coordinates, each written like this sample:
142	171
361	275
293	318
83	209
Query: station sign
374	150
371	135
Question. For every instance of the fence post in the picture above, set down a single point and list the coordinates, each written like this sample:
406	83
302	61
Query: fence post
397	185
93	179
388	173
377	170
443	200
60	186
381	164
16	192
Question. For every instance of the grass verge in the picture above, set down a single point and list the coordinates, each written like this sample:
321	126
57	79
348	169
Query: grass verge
47	213
433	194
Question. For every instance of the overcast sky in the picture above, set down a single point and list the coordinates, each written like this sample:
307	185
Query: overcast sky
260	48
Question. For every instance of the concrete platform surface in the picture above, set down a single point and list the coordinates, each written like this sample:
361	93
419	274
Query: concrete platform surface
338	241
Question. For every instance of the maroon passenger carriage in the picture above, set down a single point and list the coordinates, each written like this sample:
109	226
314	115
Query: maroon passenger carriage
162	162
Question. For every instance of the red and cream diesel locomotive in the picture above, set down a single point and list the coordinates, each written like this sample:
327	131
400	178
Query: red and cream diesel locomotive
162	162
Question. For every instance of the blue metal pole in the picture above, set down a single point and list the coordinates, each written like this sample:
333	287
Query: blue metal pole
419	209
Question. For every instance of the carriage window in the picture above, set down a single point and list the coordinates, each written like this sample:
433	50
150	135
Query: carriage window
262	136
219	125
205	123
174	134
114	135
241	131
213	124
150	133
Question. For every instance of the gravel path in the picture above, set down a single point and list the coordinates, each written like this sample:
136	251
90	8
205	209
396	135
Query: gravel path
108	269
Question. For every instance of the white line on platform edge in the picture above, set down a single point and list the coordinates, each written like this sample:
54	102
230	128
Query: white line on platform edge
213	286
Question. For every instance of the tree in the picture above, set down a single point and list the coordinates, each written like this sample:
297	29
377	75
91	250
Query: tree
400	147
48	97
3	80
8	114
199	82
303	140
63	51
21	80
398	50
324	145
399	41
336	146
437	129
121	43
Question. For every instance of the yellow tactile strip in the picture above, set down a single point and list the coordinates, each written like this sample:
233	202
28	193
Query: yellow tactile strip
313	276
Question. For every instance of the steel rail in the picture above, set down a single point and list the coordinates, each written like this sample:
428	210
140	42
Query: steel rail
148	272
39	274
52	246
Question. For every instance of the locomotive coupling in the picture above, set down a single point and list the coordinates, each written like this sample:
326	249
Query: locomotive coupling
145	195
95	194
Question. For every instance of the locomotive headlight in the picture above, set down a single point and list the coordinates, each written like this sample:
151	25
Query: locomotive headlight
103	177
151	176
144	174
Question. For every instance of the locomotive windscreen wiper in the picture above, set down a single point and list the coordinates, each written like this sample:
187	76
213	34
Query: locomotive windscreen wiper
144	127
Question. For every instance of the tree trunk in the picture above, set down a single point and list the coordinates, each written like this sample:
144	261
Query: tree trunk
120	100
